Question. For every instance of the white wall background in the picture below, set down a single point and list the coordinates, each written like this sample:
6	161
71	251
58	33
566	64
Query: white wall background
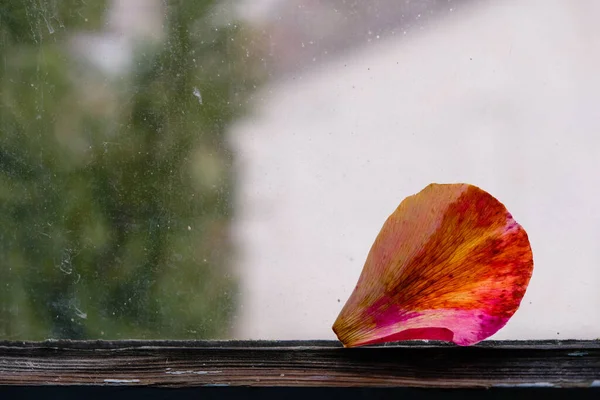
504	95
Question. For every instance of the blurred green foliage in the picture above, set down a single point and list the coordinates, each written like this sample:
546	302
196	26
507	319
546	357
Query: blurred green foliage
115	190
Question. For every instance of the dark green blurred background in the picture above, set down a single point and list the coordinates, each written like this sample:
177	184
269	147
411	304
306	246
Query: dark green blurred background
115	190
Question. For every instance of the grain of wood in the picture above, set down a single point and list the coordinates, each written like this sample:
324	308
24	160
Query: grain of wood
321	363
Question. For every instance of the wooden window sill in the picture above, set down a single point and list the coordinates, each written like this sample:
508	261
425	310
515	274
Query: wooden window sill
491	364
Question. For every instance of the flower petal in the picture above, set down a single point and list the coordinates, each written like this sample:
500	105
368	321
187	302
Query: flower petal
449	264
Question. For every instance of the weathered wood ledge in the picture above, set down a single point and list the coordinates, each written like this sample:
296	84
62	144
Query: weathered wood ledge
557	364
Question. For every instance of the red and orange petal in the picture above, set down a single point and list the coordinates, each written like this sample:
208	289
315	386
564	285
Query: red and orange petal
449	264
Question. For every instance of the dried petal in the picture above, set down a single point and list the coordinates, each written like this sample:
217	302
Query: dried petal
449	264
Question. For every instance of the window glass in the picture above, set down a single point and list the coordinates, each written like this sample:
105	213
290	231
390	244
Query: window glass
220	169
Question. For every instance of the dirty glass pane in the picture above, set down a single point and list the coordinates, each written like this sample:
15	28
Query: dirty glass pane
116	178
219	169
